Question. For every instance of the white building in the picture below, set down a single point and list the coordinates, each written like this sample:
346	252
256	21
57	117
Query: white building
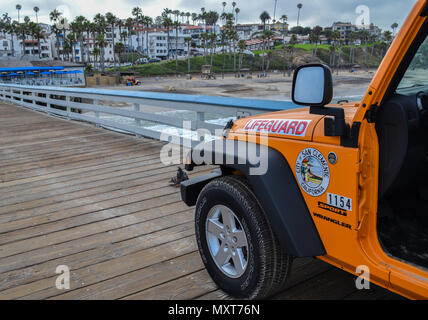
5	46
247	31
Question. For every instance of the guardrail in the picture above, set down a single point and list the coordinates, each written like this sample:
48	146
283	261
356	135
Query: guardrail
84	105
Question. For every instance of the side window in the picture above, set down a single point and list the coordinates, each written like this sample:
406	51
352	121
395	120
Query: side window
416	74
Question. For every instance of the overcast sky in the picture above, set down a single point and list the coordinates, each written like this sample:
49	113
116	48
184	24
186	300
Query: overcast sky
314	12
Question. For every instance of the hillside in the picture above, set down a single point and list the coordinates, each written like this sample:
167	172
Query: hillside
276	59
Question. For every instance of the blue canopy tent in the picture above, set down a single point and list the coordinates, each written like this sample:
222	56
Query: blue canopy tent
41	75
28	69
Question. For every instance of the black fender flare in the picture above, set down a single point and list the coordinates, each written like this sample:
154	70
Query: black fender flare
276	190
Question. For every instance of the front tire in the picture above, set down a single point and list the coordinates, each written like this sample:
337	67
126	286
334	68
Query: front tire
236	242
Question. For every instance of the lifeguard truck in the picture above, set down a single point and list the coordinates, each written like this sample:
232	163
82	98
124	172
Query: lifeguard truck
347	184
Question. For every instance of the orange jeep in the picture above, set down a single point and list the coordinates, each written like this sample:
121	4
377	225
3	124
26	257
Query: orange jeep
347	184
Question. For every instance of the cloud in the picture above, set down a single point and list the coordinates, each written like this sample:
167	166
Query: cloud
314	12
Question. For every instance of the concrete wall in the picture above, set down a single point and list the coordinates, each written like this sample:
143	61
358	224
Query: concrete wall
99	80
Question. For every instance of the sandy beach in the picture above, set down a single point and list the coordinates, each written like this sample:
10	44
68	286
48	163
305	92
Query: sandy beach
347	85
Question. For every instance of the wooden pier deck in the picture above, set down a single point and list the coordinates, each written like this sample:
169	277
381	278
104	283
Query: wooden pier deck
99	202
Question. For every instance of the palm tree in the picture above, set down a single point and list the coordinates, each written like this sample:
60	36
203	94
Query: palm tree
316	37
224	5
352	37
24	31
101	44
335	36
211	19
129	23
241	47
100	25
299	7
54	17
264	16
266	37
291	44
36	10
237	10
96	52
36	33
18	7
188	41
77	27
284	19
233	6
71	38
111	21
147	21
394	26
194	17
176	25
118	49
137	13
9	26
167	23
204	38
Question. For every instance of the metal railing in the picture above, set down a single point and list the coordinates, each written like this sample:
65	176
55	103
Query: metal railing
84	105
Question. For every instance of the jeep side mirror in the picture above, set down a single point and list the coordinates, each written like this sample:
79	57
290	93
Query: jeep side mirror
312	85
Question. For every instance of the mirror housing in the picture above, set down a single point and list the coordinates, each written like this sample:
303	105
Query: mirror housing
312	85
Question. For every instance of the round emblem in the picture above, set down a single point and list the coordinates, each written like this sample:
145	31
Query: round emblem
312	171
332	158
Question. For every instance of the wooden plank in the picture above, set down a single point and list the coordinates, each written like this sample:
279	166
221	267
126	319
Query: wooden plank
184	288
99	167
101	253
93	241
129	283
94	182
82	278
75	162
64	195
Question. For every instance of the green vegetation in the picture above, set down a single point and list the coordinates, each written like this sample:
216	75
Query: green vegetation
169	67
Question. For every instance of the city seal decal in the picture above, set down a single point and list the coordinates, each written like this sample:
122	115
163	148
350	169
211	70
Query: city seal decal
312	171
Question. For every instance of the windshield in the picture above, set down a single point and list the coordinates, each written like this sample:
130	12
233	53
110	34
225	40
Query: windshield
416	74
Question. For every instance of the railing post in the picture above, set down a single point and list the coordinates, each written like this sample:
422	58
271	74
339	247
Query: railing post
200	116
97	113
48	104
67	100
137	121
33	95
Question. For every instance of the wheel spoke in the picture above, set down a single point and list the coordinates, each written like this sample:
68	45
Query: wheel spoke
228	219
239	261
215	228
223	255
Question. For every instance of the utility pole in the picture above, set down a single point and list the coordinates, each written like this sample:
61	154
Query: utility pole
274	11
